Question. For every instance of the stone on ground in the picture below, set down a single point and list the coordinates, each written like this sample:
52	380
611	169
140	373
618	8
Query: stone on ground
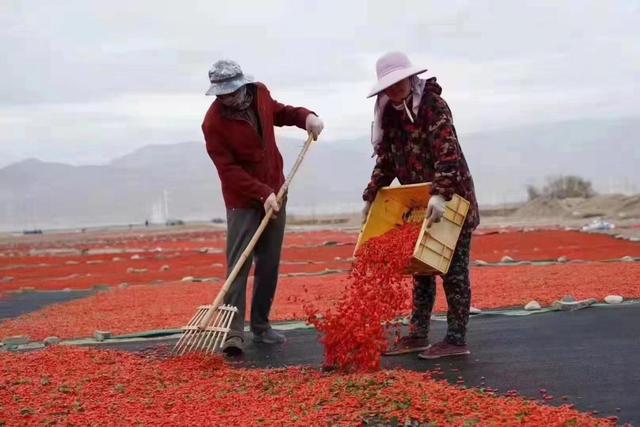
533	306
52	340
613	299
102	335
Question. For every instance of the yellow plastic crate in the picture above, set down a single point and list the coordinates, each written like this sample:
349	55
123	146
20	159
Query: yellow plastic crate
395	206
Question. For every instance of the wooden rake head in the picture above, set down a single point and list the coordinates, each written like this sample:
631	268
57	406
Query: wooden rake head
207	330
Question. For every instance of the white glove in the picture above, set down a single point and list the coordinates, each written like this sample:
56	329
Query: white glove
314	125
435	209
271	202
365	211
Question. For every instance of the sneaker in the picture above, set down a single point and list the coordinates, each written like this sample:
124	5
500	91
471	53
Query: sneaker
269	337
444	349
233	346
408	344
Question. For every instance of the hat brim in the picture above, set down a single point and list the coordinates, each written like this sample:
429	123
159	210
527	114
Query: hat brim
393	78
230	86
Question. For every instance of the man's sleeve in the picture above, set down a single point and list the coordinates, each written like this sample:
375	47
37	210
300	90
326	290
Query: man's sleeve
286	115
232	175
445	150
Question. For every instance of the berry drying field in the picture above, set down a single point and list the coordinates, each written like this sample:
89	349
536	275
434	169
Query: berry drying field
147	281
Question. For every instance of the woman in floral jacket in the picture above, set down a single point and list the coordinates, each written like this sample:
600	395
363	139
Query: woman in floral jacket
415	141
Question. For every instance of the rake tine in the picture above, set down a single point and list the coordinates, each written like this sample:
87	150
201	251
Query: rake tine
227	325
197	337
180	346
193	331
180	343
204	343
215	335
191	334
203	336
185	335
209	338
222	328
206	314
213	344
176	348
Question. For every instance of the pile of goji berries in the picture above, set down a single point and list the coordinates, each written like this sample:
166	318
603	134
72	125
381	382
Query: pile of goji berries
353	333
83	386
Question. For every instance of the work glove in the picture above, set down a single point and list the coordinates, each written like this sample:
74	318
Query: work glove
435	209
314	125
271	202
365	212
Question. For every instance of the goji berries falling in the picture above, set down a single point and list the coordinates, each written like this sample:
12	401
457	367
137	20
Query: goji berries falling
354	333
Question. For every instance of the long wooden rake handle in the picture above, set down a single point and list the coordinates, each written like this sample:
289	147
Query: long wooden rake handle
247	252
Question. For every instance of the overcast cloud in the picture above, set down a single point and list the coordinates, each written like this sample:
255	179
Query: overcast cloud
86	81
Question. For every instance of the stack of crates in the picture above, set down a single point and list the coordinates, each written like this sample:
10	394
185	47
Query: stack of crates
395	206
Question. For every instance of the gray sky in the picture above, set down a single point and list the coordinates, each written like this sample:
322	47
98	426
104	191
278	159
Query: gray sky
85	81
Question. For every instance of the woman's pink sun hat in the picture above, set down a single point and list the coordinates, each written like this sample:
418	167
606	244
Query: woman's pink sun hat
391	68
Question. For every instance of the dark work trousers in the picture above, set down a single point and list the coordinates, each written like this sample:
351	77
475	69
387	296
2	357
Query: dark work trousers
457	289
241	226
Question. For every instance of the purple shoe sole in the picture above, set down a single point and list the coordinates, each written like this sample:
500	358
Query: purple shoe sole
435	355
405	351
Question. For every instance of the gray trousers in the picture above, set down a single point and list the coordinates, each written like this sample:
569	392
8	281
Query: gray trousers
241	226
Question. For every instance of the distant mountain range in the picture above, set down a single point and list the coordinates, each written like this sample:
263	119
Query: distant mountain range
158	182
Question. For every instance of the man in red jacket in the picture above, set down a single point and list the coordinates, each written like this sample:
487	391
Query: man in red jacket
238	130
